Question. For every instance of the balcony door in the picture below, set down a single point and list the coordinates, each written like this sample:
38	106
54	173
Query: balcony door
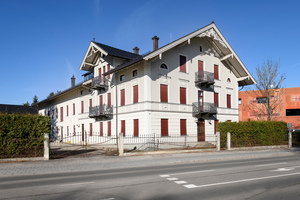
200	101
201	130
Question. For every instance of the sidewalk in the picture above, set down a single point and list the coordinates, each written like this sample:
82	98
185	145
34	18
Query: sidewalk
73	164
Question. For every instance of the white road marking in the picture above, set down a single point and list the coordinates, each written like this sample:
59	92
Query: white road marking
239	181
83	183
271	164
180	182
168	175
282	169
108	199
172	179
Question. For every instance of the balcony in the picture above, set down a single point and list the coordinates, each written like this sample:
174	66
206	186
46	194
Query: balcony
101	112
204	109
100	83
204	79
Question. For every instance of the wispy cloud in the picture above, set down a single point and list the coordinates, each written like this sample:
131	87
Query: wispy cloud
296	65
70	67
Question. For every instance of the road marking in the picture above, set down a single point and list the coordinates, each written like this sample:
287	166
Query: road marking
168	175
180	182
108	199
282	169
83	183
238	181
271	164
172	179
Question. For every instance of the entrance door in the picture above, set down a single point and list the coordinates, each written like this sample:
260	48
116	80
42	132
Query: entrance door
82	132
201	130
200	101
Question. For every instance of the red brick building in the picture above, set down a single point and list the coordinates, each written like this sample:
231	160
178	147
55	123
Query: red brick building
289	110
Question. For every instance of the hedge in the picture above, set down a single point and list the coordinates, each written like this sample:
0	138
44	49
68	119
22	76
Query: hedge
254	133
22	135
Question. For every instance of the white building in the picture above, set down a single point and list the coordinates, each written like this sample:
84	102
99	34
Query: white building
182	88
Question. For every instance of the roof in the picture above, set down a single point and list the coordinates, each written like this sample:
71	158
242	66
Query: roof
214	37
18	109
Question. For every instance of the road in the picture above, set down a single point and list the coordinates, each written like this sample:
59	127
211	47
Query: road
264	178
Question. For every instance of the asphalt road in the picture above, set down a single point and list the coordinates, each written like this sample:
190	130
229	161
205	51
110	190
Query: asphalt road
265	178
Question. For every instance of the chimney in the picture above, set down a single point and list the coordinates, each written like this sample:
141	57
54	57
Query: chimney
136	50
155	42
73	81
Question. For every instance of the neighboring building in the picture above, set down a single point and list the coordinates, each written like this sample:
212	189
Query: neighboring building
288	111
182	88
18	109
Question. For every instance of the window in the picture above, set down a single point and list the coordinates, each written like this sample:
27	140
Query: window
163	93
123	127
122	97
61	114
182	126
82	107
135	94
101	128
228	101
182	95
261	100
100	100
56	114
122	77
200	66
73	108
74	130
108	128
91	103
292	112
109	100
134	73
228	80
216	99
91	129
200	48
108	69
216	123
216	72
164	127
163	66
135	127
67	130
182	63
240	101
67	110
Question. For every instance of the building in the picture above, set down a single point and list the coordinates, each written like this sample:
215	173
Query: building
288	111
18	109
182	88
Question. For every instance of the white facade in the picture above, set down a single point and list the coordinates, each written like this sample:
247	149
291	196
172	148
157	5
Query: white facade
205	45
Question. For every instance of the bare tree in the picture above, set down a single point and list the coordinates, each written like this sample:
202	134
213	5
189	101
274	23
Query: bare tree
268	95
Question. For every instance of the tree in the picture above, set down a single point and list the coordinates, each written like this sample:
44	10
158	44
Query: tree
35	100
268	95
52	94
26	104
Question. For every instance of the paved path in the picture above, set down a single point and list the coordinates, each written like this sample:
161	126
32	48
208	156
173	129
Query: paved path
73	164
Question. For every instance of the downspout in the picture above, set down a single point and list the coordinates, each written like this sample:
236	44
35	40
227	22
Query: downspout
116	108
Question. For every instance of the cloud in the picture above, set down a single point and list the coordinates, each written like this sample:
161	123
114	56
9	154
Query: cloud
70	67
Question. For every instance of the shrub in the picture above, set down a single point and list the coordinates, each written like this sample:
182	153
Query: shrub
254	133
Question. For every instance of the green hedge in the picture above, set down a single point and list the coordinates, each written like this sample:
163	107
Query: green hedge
254	133
22	135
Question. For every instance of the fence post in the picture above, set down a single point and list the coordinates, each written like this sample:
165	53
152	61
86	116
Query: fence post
46	146
228	141
121	144
218	141
290	138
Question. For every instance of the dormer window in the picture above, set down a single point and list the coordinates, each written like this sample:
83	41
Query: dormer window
163	66
122	77
200	48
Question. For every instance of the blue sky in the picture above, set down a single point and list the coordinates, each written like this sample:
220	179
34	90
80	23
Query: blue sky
43	42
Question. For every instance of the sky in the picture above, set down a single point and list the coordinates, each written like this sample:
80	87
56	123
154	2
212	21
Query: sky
43	42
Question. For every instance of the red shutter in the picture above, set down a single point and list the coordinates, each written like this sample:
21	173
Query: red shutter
104	69
91	103
101	128
91	129
123	97
200	66
216	72
182	95
73	108
163	93
101	100
123	127
108	99
182	63
216	99
108	69
108	128
82	107
216	123
99	72
136	127
56	113
164	127
135	94
61	114
228	101
182	126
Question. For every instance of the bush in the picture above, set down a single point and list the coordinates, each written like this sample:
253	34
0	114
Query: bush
22	134
254	133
